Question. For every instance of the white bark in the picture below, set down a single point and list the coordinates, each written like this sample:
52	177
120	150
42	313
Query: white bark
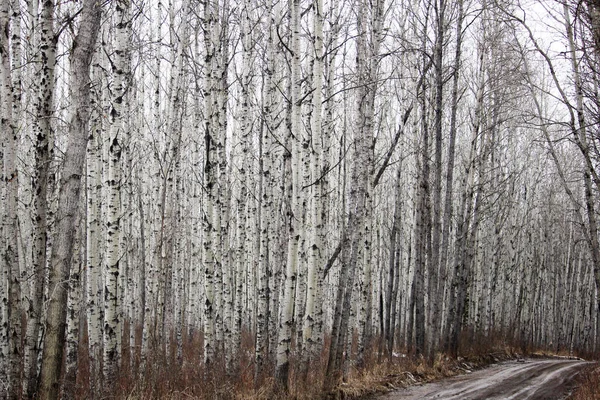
243	259
211	206
265	316
94	289
117	136
224	276
293	208
44	142
173	268
3	276
312	315
9	252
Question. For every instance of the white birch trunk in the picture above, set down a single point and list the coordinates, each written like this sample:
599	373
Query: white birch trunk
224	276
293	208
117	136
211	223
9	252
265	293
3	271
314	285
93	236
242	258
43	143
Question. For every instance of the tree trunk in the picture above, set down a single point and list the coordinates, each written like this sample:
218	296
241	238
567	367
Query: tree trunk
394	264
435	277
293	208
9	252
118	135
54	340
74	301
315	262
265	316
449	195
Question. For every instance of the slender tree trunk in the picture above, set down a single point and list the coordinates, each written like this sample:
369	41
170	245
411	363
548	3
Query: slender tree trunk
118	135
422	223
392	282
43	157
435	277
93	242
6	138
265	316
315	262
16	128
293	208
9	252
449	193
211	239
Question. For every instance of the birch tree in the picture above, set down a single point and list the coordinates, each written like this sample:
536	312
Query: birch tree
12	301
293	206
266	291
43	157
93	236
312	318
117	137
4	276
212	203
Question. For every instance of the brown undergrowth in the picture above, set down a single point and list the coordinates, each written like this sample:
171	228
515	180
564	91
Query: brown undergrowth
403	371
587	384
167	376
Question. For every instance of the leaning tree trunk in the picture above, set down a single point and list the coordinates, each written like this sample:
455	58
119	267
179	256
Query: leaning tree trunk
70	187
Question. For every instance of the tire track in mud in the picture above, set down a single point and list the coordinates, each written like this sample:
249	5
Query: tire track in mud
532	380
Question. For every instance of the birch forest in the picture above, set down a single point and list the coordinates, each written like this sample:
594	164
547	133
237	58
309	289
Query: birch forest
199	197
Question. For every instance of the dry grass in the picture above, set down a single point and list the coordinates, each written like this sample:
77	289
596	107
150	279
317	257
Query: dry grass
588	384
403	371
166	377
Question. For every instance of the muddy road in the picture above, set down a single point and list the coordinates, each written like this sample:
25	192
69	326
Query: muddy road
531	379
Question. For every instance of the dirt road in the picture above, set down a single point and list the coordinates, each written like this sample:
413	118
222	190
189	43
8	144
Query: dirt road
532	379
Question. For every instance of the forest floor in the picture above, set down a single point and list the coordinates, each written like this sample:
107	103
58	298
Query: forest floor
529	378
